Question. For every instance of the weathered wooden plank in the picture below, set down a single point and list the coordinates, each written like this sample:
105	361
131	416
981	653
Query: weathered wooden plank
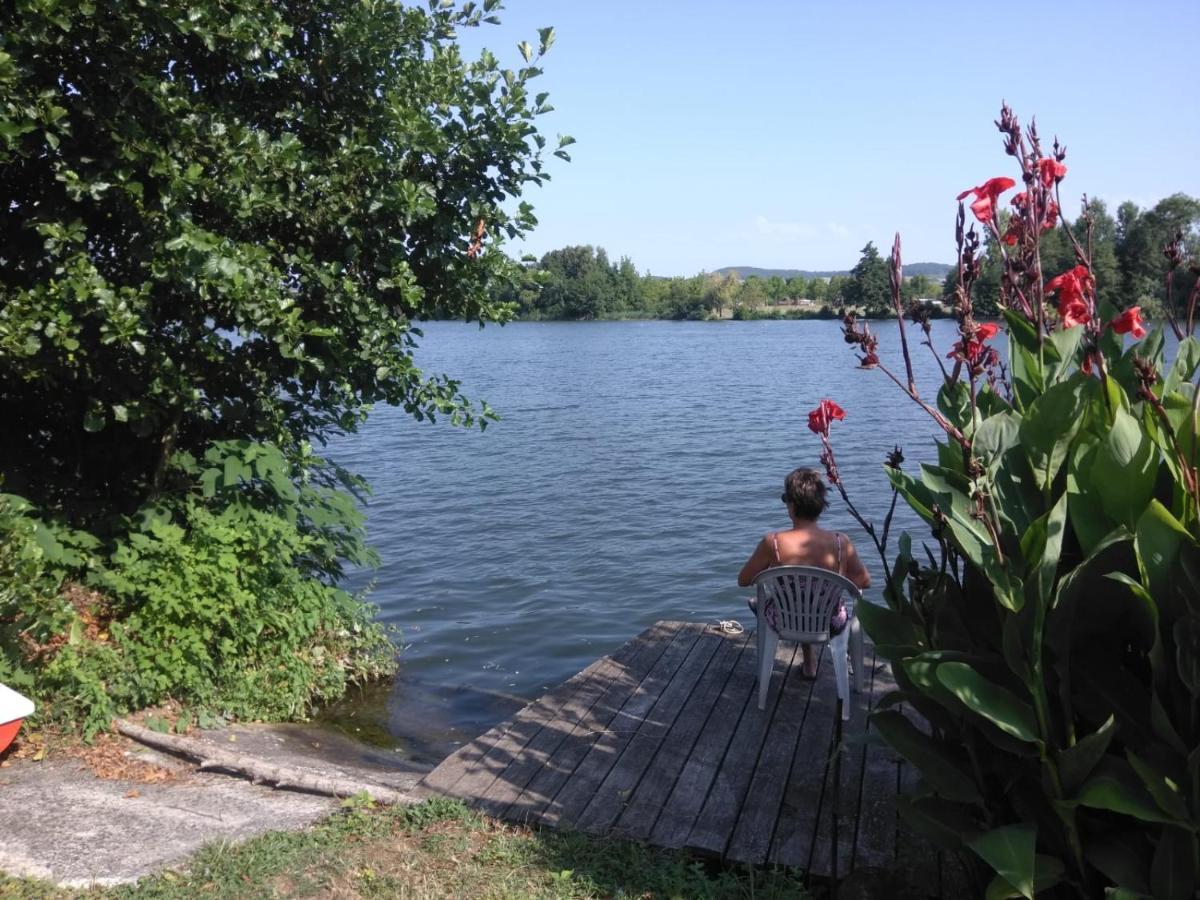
691	788
801	805
756	821
623	779
711	831
875	846
472	769
848	796
577	736
650	798
606	744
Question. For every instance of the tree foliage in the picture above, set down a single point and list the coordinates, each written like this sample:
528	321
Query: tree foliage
221	224
867	288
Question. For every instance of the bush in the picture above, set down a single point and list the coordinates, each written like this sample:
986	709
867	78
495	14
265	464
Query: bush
220	604
1049	641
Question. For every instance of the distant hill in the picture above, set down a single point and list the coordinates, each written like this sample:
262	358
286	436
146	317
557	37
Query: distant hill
932	270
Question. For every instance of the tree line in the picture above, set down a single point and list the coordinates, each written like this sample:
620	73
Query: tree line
582	283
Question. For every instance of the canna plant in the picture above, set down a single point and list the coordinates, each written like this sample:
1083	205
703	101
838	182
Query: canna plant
1046	641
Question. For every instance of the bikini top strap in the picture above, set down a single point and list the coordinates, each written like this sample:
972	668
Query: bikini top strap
775	545
837	536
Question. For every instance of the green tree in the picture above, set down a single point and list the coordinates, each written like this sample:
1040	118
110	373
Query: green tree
869	288
776	289
1140	238
220	222
798	287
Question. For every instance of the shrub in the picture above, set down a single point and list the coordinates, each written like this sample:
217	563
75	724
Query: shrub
1047	646
223	603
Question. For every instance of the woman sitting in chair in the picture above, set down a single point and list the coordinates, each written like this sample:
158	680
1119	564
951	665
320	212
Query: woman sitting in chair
806	544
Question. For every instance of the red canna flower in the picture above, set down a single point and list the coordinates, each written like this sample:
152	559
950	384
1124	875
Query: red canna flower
1050	219
1072	287
986	331
975	353
1129	322
1013	233
986	195
821	417
1074	312
1051	170
1019	200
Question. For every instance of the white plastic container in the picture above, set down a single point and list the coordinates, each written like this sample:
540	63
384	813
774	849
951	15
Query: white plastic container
14	708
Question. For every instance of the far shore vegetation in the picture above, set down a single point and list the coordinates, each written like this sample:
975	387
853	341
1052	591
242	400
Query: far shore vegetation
583	283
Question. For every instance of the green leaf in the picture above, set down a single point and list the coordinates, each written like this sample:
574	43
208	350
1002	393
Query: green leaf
526	50
1164	791
1173	871
1076	763
941	772
1010	852
1050	425
1115	786
1048	872
1187	651
94	420
1160	540
995	703
889	629
1124	469
1041	546
1187	360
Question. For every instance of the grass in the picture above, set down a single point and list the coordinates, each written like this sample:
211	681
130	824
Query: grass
432	850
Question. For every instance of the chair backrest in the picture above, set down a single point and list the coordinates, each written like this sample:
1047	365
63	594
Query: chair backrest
804	599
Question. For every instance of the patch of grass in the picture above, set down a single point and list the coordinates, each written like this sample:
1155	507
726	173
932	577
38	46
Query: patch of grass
439	849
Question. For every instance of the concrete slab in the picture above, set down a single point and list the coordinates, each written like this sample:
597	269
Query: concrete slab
64	825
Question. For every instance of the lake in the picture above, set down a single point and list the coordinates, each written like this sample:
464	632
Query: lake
634	469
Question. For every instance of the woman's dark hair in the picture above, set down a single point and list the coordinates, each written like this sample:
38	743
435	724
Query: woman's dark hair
804	490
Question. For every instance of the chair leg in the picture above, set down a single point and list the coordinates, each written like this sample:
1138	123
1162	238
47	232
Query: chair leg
766	662
837	651
856	655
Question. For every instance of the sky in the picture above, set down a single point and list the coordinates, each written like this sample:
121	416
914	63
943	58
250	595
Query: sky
788	134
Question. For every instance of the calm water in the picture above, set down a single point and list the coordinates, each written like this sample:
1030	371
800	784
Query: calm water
635	467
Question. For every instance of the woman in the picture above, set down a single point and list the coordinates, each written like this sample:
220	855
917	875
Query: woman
806	544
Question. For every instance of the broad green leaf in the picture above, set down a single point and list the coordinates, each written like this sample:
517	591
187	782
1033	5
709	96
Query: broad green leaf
1089	521
1050	425
1163	789
1161	540
1187	651
1187	360
1010	852
1115	786
1041	546
941	772
1124	469
1076	763
1173	871
889	629
997	704
1048	872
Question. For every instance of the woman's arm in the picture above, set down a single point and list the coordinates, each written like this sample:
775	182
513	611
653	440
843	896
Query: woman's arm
760	559
855	570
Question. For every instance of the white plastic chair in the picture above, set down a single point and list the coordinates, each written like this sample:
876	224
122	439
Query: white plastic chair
804	599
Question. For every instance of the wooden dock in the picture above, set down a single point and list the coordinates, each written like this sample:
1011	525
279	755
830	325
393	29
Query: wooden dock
662	742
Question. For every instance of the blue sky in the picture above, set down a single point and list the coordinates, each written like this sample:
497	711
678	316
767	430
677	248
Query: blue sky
788	134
